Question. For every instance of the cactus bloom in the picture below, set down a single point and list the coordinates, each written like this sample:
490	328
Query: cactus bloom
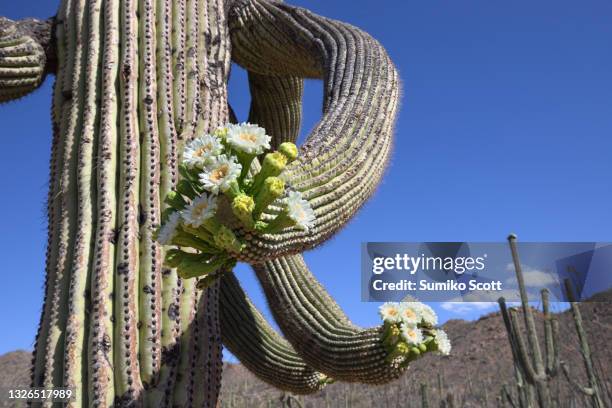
410	314
300	211
248	138
200	151
390	312
442	342
411	334
200	210
220	173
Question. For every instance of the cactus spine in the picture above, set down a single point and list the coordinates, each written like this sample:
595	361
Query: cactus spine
135	80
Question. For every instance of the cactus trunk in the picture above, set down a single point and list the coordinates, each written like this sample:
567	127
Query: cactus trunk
114	319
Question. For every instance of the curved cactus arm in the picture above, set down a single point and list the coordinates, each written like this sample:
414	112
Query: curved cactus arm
344	157
318	329
27	54
276	105
258	346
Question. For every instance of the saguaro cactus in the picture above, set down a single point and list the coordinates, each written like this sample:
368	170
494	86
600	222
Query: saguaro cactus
135	80
533	370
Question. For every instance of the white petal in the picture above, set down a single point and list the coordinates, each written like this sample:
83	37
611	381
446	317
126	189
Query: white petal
248	138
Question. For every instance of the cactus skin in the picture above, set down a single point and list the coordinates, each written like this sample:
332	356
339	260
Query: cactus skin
135	80
264	352
341	163
318	329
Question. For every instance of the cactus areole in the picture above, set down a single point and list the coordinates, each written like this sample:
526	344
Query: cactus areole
136	81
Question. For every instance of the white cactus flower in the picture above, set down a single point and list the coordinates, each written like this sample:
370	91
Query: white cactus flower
427	314
442	341
220	173
168	230
390	312
411	334
300	211
248	138
200	151
200	209
410	314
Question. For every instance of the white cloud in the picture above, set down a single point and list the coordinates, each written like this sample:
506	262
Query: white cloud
533	277
467	307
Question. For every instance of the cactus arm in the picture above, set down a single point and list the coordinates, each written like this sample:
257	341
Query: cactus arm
27	55
533	376
276	105
247	334
551	333
345	155
318	329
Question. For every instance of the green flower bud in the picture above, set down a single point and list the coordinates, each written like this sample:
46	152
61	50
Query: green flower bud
272	166
391	335
415	351
221	132
242	207
226	239
422	347
401	349
289	150
273	188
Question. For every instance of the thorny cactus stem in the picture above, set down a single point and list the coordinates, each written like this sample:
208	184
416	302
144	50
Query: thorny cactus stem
318	329
135	80
343	159
249	337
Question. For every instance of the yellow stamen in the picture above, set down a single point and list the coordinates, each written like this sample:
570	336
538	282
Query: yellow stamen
249	137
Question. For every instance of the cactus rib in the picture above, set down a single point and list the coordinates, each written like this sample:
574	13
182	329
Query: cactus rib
344	157
264	352
318	329
276	105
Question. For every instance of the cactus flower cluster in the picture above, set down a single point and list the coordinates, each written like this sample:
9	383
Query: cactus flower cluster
216	171
409	332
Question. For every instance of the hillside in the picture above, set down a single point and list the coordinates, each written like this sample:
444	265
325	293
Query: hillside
479	365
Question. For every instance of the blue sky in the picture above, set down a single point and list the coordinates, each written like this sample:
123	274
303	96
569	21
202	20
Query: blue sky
505	125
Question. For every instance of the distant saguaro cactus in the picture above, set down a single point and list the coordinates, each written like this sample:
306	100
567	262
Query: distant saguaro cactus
533	370
135	81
